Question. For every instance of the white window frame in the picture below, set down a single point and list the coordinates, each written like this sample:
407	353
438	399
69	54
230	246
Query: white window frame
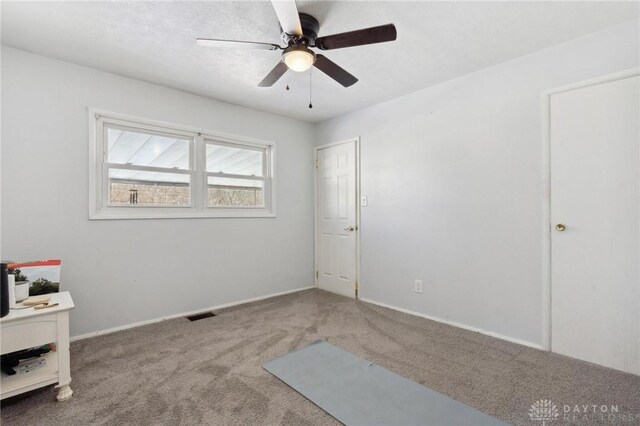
266	168
98	171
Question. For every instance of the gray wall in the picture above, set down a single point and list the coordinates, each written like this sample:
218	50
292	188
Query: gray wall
125	271
453	175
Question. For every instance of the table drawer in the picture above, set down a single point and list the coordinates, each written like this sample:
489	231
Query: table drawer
27	333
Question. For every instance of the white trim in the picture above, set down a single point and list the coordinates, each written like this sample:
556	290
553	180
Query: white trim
95	187
99	210
342	142
232	176
456	324
184	314
207	134
358	213
621	75
546	184
219	213
357	201
233	143
315	216
134	167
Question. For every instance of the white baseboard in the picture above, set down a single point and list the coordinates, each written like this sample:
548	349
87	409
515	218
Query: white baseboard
456	324
184	314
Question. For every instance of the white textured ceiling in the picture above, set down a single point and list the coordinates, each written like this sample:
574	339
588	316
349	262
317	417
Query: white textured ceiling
437	41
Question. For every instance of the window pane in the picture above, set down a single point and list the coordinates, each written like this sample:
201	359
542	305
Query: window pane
225	192
146	149
232	160
131	187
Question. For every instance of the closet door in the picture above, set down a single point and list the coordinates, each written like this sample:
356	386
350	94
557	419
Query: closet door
595	223
336	243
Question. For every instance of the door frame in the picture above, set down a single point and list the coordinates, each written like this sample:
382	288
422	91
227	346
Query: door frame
546	179
317	148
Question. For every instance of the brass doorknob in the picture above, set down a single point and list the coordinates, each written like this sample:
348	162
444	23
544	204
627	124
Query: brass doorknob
560	227
349	228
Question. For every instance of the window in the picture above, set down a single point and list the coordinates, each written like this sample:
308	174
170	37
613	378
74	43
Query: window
235	175
147	168
144	169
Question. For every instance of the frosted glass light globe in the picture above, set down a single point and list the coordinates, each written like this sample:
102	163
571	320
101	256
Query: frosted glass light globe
298	59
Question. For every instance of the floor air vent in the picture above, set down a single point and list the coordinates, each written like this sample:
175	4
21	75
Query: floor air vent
197	317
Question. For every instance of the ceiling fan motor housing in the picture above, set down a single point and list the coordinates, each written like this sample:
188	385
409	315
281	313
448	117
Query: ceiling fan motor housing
310	28
299	31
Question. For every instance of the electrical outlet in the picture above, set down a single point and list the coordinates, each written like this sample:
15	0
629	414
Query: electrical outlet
363	201
417	286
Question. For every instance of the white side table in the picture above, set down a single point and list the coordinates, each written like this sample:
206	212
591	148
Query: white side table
26	328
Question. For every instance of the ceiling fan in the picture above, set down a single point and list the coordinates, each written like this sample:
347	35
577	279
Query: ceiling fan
300	34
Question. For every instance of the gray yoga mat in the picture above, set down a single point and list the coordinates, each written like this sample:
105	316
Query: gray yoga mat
358	392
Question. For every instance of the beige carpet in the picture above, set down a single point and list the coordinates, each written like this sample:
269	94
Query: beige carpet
179	372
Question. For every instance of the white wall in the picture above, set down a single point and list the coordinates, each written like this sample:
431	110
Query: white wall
126	271
453	174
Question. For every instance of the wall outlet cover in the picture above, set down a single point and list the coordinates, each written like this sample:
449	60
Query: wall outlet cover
417	286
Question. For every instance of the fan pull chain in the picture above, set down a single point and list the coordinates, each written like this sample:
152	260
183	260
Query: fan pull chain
310	104
287	86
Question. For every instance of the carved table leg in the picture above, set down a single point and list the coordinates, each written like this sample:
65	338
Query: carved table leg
64	362
64	392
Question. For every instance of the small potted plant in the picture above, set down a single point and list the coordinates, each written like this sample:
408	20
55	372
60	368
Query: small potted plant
22	285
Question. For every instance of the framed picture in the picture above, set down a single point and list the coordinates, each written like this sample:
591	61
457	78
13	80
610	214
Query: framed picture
43	275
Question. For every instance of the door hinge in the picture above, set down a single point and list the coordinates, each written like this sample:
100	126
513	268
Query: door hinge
317	275
316	164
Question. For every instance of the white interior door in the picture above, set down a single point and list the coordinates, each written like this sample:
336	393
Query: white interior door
336	219
595	217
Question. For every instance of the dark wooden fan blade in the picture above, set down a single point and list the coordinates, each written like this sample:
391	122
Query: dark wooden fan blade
235	44
275	74
334	71
287	13
361	37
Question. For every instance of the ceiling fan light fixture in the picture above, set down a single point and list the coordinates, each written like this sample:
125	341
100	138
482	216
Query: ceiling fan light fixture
298	59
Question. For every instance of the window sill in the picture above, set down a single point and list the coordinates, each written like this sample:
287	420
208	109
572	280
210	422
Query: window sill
210	214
